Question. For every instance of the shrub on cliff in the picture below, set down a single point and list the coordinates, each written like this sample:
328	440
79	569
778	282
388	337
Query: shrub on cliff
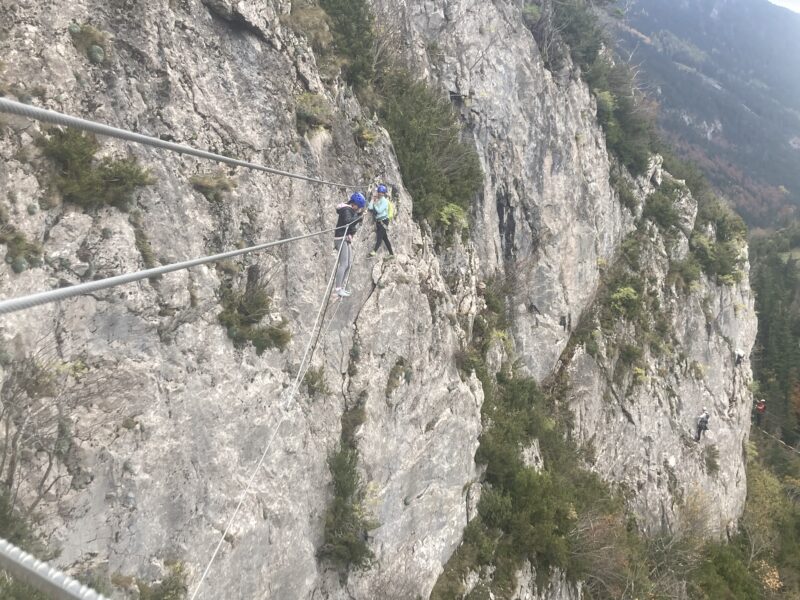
440	169
16	530
86	182
171	587
346	524
353	38
242	312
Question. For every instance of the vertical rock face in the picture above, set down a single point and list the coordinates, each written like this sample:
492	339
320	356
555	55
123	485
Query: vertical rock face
547	214
548	222
641	422
181	417
169	419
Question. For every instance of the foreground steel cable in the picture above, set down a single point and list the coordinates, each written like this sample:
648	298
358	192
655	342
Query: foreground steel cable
43	577
15	304
56	118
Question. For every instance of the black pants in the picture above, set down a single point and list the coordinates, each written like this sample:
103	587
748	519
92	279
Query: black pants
382	235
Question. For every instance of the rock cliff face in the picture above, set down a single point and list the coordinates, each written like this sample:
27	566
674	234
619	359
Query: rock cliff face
167	418
641	423
547	211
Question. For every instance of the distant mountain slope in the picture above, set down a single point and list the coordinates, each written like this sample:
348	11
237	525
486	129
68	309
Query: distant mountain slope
727	76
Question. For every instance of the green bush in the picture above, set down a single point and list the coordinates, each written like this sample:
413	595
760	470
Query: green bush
630	354
16	530
660	209
624	191
346	525
353	38
440	170
86	182
625	302
243	310
312	22
533	511
724	574
365	135
631	252
314	380
172	587
453	217
686	271
496	508
721	259
579	28
313	111
212	185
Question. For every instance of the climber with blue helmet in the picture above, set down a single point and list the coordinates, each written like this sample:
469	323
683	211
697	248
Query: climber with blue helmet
346	225
379	207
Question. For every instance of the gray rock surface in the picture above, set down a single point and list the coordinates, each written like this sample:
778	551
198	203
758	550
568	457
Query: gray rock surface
547	213
642	431
172	419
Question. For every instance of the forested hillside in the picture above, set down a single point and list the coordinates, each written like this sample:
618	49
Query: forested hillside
727	77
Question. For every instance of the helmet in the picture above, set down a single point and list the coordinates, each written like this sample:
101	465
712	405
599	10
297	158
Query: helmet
358	199
705	409
382	189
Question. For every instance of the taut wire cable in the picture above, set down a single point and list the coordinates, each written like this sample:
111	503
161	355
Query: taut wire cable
57	118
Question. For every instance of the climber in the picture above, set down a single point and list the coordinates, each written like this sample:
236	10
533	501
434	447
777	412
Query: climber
761	408
739	357
702	424
349	214
379	206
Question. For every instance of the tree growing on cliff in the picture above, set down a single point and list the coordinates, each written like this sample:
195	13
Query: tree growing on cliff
354	38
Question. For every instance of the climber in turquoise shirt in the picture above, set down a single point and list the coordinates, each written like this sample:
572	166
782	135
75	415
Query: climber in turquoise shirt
379	206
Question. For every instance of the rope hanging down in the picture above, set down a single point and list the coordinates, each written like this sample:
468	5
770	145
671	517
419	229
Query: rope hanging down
304	364
43	577
56	118
15	304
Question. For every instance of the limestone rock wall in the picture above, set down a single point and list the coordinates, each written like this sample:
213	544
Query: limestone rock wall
180	416
168	419
641	426
547	214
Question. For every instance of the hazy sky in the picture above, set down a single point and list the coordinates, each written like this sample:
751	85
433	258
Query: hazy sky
790	4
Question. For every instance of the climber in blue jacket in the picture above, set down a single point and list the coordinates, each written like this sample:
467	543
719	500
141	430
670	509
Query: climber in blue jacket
349	216
379	206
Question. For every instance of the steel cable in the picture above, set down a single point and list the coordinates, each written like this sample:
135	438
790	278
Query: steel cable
56	118
304	363
42	576
15	304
